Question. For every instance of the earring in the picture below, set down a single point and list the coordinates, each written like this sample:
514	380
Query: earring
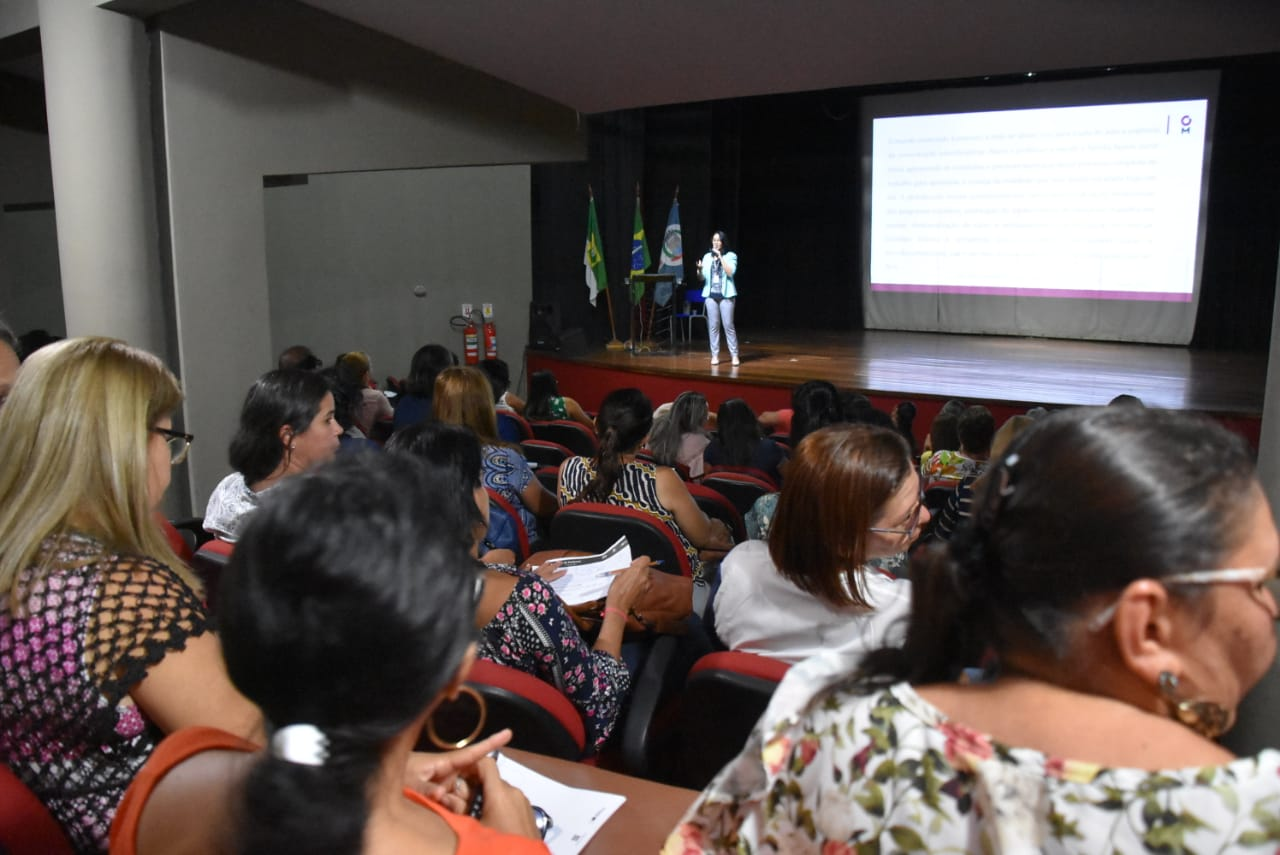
444	744
1206	718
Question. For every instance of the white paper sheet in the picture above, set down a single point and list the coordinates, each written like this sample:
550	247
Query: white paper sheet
589	576
576	814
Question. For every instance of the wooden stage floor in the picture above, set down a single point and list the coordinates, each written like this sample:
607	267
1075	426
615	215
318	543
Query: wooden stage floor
1016	371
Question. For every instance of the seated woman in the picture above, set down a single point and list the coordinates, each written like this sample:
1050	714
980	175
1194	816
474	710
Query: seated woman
414	405
852	497
354	369
739	443
680	436
545	403
346	616
1128	615
287	425
615	477
463	396
105	643
523	623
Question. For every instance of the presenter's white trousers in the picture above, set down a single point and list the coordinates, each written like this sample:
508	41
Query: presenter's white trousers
720	312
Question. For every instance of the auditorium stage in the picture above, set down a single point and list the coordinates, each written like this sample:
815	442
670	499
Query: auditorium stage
1008	374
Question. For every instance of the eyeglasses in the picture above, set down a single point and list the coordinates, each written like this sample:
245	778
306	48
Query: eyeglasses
1261	578
179	444
914	519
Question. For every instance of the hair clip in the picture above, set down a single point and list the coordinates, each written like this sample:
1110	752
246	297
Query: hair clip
304	744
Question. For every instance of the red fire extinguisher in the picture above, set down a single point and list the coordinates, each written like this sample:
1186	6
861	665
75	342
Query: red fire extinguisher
471	342
490	340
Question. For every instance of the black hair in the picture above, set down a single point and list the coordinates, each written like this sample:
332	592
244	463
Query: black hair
904	416
346	396
1073	510
623	422
7	337
288	396
542	388
944	434
814	405
499	376
427	363
453	464
976	429
687	414
724	239
347	605
852	403
298	356
739	432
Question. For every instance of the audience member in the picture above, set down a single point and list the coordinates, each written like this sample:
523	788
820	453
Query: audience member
615	477
354	369
500	379
287	425
298	356
463	397
851	496
1124	646
738	442
346	616
904	417
32	340
974	430
104	642
814	405
681	435
1126	400
415	404
545	403
523	623
346	401
10	360
959	503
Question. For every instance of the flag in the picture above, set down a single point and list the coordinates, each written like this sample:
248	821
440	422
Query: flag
593	256
672	260
640	260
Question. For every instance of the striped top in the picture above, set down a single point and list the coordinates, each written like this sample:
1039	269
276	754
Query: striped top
636	488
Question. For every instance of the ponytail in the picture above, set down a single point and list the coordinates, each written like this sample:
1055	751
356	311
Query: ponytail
294	807
608	462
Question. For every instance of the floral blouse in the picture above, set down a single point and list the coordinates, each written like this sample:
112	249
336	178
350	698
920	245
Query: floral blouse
831	771
533	632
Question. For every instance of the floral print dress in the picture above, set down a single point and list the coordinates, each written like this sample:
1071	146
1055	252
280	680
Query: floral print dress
831	771
533	632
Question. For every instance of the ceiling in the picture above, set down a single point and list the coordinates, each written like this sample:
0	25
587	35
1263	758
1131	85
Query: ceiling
600	55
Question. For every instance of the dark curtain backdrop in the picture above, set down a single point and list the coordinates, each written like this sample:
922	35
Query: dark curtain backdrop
782	176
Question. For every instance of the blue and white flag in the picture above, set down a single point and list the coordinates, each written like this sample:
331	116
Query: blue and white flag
672	260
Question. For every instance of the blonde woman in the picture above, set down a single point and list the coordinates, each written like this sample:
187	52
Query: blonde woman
463	396
104	643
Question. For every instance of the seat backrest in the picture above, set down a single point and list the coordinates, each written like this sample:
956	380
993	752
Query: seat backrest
209	562
646	456
516	421
179	544
544	452
758	474
740	489
573	436
716	506
724	696
694	296
541	718
593	527
550	478
26	826
499	504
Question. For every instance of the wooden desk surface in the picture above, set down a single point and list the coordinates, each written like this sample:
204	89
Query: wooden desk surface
643	822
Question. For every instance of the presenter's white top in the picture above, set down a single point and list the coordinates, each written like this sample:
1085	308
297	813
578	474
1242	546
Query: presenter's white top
757	610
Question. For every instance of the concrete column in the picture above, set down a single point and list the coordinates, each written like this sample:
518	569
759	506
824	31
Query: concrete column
98	100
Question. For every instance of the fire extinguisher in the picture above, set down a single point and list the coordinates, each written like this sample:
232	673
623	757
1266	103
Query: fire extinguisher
490	340
471	342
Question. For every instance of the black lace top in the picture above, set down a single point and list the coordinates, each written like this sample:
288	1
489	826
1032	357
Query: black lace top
73	641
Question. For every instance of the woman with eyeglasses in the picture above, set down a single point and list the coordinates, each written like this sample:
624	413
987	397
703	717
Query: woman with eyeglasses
851	498
105	644
287	425
1126	614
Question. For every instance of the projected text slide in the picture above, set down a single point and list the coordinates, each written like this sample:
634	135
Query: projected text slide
1096	201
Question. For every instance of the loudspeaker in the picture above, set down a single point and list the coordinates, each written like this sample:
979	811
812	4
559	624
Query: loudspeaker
544	326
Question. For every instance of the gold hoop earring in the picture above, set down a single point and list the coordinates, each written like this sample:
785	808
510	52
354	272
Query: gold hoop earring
444	744
1206	718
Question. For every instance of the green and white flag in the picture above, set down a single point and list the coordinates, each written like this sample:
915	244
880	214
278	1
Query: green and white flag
593	256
